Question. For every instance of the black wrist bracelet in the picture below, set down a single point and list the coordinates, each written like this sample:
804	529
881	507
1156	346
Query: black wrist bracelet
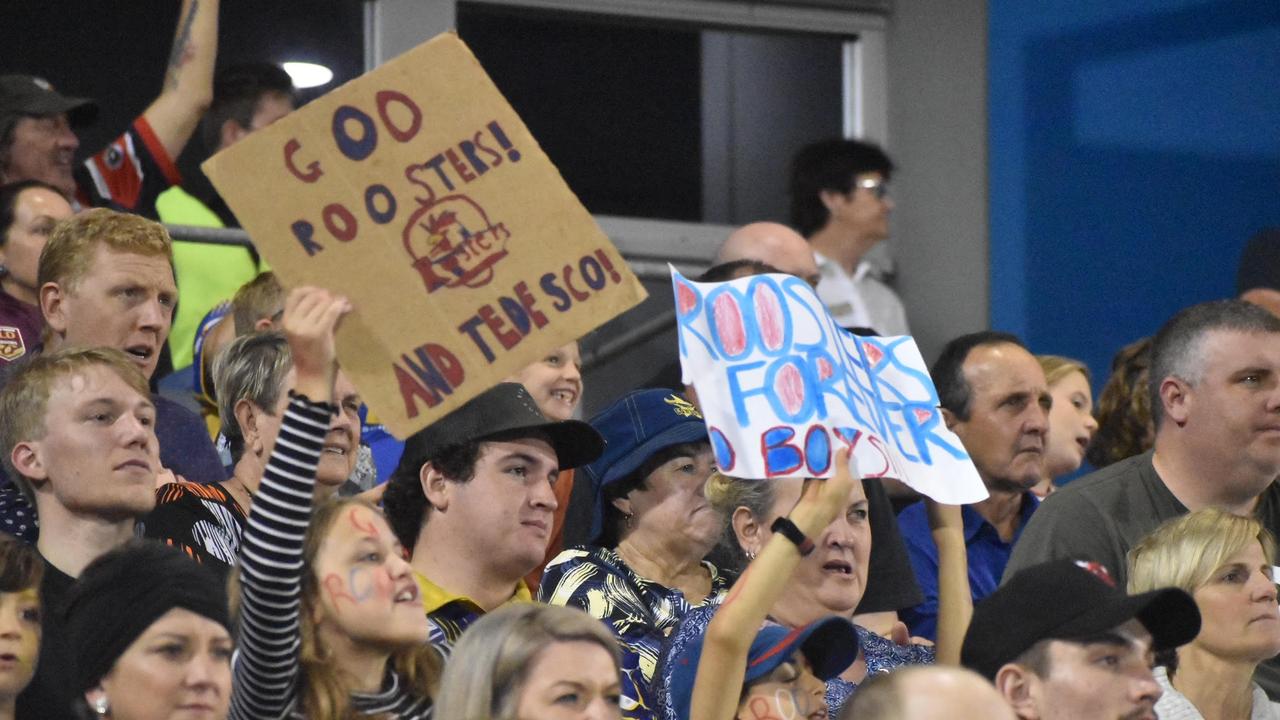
788	529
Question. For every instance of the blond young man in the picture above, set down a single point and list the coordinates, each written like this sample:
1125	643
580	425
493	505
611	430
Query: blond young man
79	443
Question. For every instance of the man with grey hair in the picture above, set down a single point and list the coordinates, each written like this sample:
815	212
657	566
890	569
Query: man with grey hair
992	394
1215	400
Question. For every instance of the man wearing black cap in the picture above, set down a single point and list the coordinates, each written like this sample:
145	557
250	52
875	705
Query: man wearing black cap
472	497
38	142
1061	640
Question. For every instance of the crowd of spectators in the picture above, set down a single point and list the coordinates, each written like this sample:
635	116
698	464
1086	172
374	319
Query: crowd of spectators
220	542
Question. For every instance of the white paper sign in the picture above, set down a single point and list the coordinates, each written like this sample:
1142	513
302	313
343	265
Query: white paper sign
784	388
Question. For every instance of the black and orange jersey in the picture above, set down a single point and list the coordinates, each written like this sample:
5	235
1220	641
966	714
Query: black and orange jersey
128	174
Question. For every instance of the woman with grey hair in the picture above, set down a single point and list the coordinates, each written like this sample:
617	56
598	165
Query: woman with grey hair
532	662
253	375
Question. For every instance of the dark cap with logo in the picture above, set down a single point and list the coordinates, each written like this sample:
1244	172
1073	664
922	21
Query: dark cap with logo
504	410
31	96
1069	600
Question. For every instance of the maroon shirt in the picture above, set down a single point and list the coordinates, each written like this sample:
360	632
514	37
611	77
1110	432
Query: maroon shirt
20	328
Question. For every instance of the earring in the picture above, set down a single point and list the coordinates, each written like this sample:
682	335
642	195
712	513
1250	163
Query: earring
628	521
751	555
101	706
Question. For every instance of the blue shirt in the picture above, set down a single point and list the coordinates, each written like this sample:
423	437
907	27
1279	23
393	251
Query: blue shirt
987	554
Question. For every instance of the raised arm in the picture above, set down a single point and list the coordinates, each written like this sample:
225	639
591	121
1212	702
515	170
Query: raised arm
955	601
271	565
723	664
188	80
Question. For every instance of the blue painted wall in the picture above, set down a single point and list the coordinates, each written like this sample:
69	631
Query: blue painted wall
1134	147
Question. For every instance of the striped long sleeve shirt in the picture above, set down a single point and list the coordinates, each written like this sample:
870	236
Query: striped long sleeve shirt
266	675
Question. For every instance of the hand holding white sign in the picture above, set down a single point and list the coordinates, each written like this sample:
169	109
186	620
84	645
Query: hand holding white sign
784	390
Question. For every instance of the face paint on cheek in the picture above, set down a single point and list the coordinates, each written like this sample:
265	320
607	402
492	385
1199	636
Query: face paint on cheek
332	584
791	704
761	709
383	585
361	589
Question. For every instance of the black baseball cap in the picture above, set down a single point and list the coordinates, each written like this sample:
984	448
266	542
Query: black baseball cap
505	409
28	95
1069	600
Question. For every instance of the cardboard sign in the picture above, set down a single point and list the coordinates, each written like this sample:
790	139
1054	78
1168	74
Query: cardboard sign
784	389
417	191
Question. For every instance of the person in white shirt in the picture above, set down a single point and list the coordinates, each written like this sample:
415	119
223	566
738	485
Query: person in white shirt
840	202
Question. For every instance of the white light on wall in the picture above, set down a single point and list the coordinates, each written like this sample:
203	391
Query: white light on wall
308	75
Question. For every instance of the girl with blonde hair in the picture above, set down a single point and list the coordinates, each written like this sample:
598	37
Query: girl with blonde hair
330	623
532	662
1071	421
1225	562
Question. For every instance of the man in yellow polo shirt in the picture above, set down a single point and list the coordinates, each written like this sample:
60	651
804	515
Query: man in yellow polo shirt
472	498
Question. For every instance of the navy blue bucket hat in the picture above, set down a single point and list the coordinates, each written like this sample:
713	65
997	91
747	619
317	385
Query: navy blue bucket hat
641	423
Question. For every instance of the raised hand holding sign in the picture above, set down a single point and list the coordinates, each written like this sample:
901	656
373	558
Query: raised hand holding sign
784	389
416	191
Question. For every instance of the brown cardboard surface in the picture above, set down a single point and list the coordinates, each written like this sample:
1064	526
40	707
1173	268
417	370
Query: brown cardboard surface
417	191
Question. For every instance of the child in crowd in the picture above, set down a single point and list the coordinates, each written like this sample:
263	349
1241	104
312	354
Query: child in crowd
330	621
20	572
1071	421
